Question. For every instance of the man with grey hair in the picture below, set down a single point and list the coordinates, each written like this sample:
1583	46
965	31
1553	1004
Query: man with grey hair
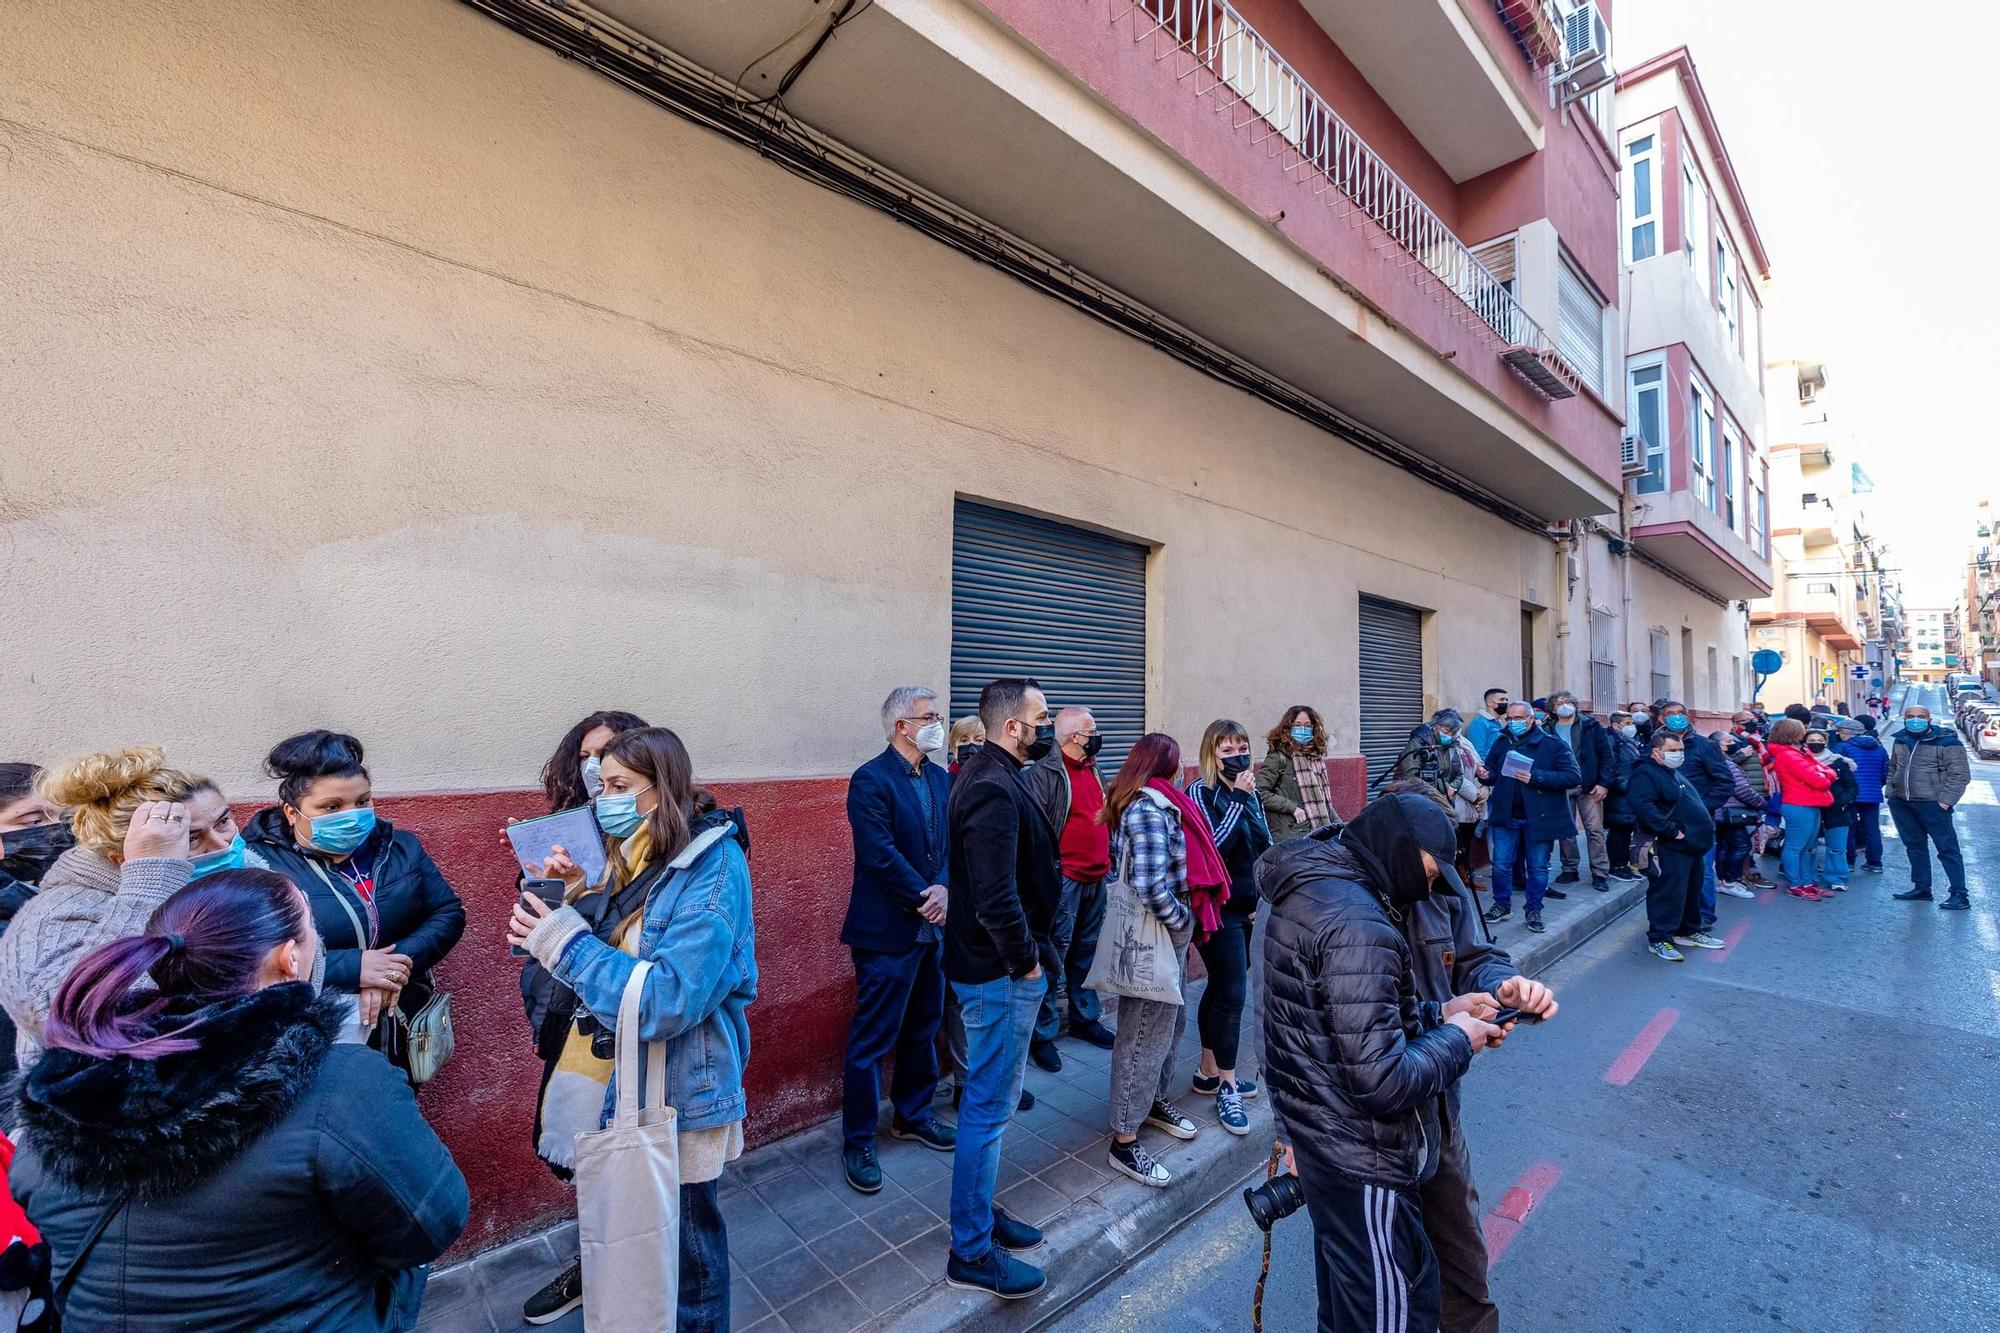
1066	784
896	812
1591	745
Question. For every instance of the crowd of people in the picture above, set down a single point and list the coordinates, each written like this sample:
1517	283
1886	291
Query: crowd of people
218	1029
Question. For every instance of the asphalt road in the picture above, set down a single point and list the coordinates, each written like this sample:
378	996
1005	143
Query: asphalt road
1809	1148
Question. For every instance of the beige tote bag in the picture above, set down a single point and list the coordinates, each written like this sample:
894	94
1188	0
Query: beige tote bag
628	1191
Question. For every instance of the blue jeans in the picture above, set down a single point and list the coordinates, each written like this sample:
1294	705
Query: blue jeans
1919	823
999	1018
1864	846
898	1003
1801	827
1708	888
704	1293
1834	864
1510	841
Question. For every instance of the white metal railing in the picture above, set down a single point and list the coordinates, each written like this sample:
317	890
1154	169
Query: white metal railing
1229	60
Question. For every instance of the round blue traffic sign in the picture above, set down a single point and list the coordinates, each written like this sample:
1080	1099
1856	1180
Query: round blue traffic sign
1767	661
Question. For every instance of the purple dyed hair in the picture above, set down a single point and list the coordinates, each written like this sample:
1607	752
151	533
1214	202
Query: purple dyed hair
206	943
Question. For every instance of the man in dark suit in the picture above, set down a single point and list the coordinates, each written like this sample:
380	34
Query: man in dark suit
1006	886
896	811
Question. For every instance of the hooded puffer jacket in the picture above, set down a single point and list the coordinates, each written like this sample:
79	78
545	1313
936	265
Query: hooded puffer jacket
1871	765
1357	1062
273	1180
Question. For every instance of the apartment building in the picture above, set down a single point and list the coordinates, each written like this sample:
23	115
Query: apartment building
1981	631
442	371
1933	651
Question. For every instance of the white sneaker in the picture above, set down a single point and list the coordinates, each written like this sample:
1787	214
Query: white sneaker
1699	940
1733	889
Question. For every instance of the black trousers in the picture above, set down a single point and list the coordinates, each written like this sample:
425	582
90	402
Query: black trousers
1374	1265
1451	1220
898	1002
1226	955
1673	894
1618	845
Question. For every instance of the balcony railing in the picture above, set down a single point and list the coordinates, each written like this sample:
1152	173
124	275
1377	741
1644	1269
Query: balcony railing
1537	27
1222	58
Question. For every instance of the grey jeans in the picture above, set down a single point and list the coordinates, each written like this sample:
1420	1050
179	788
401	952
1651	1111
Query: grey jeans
1589	812
1142	1055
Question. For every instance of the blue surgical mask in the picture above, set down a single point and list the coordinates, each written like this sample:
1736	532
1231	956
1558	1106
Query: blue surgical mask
1678	722
1916	726
1518	726
592	773
1565	710
342	831
1302	735
229	858
618	813
1445	735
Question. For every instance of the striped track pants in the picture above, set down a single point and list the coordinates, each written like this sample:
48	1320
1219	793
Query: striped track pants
1375	1267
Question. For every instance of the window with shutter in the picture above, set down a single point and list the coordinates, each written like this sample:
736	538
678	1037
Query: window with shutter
1580	327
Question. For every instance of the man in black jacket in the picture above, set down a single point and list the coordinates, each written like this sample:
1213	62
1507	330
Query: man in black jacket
1713	776
1360	1063
1587	740
1673	810
1005	886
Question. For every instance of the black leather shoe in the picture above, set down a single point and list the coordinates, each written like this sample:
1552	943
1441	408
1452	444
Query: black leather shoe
929	1131
1027	1100
1553	892
1955	903
1046	1056
1097	1034
1913	896
1567	877
864	1173
1011	1233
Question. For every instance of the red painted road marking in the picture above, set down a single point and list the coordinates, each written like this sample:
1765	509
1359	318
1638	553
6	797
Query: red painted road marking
1730	939
1508	1216
1765	895
1630	1061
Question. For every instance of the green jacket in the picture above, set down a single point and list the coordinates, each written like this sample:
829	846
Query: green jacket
1278	789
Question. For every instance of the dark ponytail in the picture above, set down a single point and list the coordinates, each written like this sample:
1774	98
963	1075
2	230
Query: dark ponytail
299	761
206	943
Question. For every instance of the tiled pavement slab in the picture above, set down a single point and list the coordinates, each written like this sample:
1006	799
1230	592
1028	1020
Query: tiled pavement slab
810	1255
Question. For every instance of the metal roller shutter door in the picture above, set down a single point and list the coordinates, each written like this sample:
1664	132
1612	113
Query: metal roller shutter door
1392	680
1031	597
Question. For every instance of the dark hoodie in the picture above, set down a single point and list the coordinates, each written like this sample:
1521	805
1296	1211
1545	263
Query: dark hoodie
277	1181
1357	1062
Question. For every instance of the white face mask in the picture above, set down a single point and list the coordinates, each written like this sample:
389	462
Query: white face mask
592	773
1674	759
930	736
1628	731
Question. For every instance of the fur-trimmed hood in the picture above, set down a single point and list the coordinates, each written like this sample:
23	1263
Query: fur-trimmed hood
156	1127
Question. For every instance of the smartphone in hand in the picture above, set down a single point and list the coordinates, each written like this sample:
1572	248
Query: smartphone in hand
550	891
1506	1016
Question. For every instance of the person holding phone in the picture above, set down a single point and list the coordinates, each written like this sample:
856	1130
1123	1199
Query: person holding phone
678	896
1672	809
381	905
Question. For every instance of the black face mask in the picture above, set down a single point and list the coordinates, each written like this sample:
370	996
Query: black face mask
1092	746
966	751
1818	749
31	851
1500	709
1235	765
1045	740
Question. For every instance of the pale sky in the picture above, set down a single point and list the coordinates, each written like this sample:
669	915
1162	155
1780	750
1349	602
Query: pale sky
1862	136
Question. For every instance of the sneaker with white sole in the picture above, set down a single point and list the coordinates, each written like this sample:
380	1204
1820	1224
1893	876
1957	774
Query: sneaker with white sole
558	1298
1130	1159
1229	1110
1167	1118
1733	889
1665	952
1701	939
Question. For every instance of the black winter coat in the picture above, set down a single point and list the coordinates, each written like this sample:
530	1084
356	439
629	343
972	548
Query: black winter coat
1626	756
1708	768
279	1181
1357	1061
1005	874
1450	952
419	914
1666	803
1591	743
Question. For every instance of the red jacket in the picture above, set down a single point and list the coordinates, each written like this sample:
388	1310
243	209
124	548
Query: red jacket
1802	779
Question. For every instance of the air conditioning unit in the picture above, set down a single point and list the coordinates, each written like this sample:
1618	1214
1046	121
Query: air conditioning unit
1588	45
1631	455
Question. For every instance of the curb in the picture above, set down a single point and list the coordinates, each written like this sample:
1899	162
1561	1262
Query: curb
1089	1244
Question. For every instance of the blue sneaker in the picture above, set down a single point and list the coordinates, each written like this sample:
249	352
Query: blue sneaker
999	1273
1229	1110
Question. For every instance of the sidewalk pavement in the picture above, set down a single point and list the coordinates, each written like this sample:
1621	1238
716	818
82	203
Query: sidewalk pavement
809	1255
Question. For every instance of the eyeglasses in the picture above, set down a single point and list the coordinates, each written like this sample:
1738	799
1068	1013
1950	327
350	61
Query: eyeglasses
926	718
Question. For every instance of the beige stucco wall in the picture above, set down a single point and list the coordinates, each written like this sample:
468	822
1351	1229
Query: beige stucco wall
1640	599
369	367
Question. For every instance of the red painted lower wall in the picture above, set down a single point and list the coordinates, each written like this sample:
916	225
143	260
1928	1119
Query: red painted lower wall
801	864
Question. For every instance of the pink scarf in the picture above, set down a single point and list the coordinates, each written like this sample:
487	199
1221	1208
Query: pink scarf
1208	878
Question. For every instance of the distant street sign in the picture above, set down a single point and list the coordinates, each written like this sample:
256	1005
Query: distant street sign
1859	673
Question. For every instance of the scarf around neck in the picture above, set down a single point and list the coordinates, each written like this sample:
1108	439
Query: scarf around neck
1208	877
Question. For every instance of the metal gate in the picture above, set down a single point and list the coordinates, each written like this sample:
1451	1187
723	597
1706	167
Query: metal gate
1392	680
1031	597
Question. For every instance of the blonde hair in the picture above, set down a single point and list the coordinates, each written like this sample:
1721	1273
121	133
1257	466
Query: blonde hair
1220	730
963	730
99	792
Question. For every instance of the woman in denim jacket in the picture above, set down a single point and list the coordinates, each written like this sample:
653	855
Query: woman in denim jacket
679	897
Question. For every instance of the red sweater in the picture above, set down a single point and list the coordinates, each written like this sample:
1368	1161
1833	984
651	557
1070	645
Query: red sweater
1802	779
1086	843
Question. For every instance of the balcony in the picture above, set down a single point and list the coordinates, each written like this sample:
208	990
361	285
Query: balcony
1693	541
1183	166
1452	72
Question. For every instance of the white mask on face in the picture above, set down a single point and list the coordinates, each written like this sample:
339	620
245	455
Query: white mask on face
1673	759
1628	731
593	776
930	736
